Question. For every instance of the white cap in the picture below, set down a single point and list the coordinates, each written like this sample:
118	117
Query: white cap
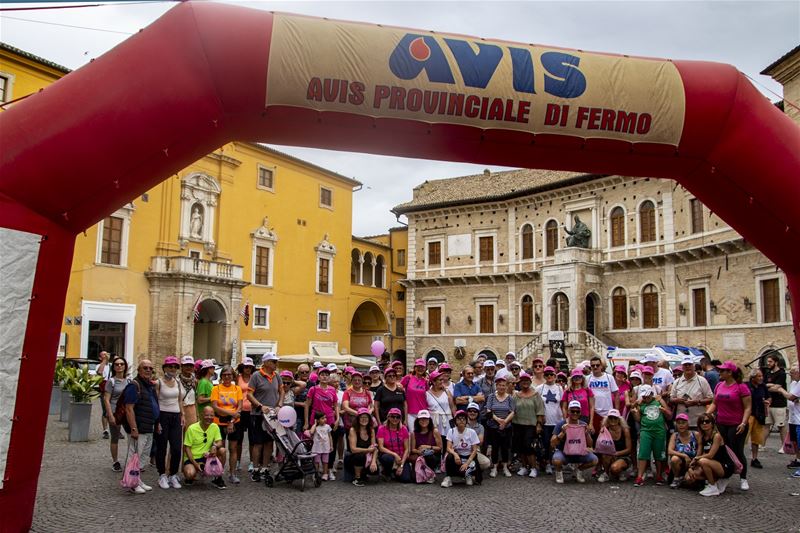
574	404
646	390
512	354
636	374
488	364
433	360
332	367
317	364
374	368
473	405
650	358
514	363
688	360
269	356
499	362
187	360
502	373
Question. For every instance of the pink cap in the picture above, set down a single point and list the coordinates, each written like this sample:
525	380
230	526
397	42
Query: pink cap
500	377
314	377
390	369
549	369
613	412
648	370
187	360
621	368
171	360
419	362
362	411
356	373
349	370
460	412
394	411
682	416
576	373
537	359
435	374
397	362
728	365
524	375
198	364
287	374
562	375
445	366
207	363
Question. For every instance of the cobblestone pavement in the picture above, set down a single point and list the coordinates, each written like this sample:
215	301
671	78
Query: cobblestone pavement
79	492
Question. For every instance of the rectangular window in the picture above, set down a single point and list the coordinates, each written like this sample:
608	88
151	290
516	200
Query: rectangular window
324	270
3	88
434	320
696	209
650	310
400	327
699	302
434	253
325	197
486	246
401	296
262	265
112	241
323	321
401	257
770	300
486	318
266	178
260	316
106	336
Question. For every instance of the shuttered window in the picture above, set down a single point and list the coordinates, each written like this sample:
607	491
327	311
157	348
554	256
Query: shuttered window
487	318
617	227
770	300
262	265
324	273
559	313
650	307
699	302
619	304
434	253
527	314
434	320
551	237
527	241
112	241
486	245
696	209
647	221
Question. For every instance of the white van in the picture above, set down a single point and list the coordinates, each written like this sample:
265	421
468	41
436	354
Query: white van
673	354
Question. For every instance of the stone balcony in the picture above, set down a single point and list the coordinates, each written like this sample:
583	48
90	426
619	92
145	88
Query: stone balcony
199	269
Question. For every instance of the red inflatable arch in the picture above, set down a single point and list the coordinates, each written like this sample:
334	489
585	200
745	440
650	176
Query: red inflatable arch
207	74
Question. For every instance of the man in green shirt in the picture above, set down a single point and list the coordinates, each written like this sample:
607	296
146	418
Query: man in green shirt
202	440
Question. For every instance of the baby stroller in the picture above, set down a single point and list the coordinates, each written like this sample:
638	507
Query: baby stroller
298	462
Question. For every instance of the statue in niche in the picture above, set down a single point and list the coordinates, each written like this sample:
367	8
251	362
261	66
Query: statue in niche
579	235
196	224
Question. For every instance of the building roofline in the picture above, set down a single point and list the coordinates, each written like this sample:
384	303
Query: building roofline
398	228
768	70
582	178
273	151
33	57
373	243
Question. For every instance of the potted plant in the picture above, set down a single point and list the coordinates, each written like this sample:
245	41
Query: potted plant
83	387
55	394
63	376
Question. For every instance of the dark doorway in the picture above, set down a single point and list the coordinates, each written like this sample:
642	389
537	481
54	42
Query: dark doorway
106	336
590	314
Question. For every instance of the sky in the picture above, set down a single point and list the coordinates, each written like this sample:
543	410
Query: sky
747	34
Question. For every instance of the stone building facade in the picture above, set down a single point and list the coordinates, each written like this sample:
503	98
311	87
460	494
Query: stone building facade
489	270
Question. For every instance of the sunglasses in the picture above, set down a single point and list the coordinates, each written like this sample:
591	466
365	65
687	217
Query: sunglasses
147	368
394	416
548	374
538	366
205	438
703	422
302	371
172	366
575	411
596	366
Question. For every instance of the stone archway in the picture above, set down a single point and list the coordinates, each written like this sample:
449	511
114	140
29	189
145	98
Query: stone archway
208	339
369	321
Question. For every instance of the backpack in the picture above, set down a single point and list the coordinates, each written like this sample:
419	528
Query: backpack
120	414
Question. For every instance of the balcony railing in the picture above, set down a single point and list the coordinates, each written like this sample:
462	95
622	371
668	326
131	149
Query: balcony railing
197	267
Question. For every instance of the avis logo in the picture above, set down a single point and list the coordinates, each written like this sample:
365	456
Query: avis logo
415	53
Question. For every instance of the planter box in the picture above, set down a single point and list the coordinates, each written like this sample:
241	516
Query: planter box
80	417
66	398
55	400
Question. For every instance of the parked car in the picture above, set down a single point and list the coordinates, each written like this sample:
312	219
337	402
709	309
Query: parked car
78	362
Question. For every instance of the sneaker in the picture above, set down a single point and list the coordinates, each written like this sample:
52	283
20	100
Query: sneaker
447	482
116	467
522	471
780	450
493	472
794	464
796	473
250	468
602	478
219	483
163	482
548	470
174	483
331	476
255	475
468	480
579	476
106	435
233	478
722	484
676	483
238	466
710	490
324	477
744	485
533	473
623	477
145	486
659	480
755	463
506	473
639	482
431	480
559	476
358	483
138	490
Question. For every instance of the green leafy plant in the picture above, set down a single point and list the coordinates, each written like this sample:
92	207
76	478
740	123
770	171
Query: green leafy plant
83	386
60	374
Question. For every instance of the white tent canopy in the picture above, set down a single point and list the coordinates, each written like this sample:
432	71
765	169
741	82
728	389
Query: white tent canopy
333	358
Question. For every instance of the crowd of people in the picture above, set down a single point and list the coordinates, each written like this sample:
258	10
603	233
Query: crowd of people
685	426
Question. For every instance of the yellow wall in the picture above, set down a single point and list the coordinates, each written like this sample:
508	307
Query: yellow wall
29	75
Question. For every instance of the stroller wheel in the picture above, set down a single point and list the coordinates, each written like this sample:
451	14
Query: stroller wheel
302	484
317	480
269	481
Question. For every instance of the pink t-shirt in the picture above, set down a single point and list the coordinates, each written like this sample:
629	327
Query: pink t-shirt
728	399
357	400
415	393
581	395
393	438
323	401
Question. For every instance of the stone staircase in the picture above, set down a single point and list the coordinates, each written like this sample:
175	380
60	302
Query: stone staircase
579	344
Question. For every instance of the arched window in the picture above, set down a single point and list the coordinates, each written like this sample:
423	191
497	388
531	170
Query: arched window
647	222
379	264
617	220
619	308
527	241
367	270
355	266
551	237
559	312
527	313
650	306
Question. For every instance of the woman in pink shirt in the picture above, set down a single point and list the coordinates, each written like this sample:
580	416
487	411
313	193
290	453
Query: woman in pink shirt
355	398
416	387
579	393
394	447
733	405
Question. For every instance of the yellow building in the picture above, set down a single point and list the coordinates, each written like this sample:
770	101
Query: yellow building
22	73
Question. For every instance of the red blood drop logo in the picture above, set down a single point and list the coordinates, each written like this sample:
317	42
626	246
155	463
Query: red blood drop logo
419	50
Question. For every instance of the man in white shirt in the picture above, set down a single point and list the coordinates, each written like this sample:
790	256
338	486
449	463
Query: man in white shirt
661	376
605	389
793	399
691	393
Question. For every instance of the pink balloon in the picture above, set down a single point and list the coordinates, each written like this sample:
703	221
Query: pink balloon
377	348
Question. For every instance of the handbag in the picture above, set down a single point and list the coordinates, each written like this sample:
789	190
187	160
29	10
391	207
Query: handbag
737	464
132	476
789	446
605	443
423	471
575	443
213	467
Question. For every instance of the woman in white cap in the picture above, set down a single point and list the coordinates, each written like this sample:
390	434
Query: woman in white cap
375	379
170	424
462	452
426	442
440	403
243	373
